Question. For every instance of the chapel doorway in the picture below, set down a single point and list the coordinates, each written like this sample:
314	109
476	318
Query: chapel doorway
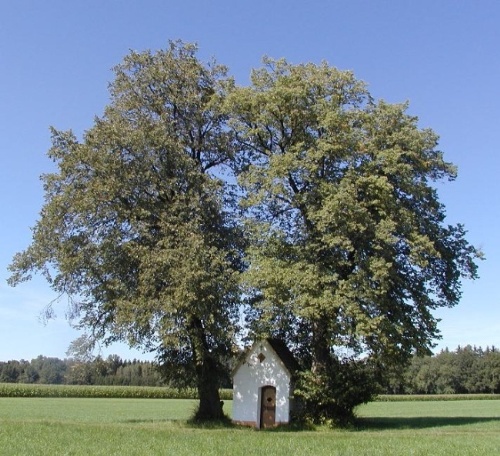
268	407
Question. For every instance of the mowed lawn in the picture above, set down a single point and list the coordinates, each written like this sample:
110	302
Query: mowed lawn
62	426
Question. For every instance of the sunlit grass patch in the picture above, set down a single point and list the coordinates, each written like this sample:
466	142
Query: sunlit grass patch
57	426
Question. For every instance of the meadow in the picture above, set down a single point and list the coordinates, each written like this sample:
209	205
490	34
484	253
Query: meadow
117	426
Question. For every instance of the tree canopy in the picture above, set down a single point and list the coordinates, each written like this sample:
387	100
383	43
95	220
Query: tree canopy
136	227
347	250
348	237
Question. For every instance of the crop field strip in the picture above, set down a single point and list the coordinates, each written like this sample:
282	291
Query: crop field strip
151	392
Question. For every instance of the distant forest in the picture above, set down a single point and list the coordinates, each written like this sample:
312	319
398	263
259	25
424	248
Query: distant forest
110	371
465	370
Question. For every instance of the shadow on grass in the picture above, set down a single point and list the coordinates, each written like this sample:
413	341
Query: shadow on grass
228	424
224	423
361	424
383	423
155	421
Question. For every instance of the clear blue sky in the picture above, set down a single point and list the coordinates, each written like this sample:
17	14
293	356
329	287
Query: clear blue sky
443	56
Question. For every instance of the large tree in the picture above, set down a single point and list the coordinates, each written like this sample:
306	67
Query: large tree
349	240
349	250
136	227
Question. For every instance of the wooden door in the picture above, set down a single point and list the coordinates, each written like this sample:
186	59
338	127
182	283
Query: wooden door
268	407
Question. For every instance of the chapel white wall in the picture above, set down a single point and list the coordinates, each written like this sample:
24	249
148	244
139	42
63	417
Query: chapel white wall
251	376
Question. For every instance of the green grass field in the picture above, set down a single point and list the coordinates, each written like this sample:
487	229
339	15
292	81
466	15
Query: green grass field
62	426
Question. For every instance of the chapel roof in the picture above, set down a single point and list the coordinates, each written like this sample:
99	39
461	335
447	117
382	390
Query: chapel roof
285	354
280	348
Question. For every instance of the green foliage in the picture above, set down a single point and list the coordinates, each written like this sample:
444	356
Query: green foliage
136	228
98	371
348	232
346	245
468	369
331	396
348	236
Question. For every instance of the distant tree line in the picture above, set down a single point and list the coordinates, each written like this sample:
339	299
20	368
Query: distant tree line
110	371
467	370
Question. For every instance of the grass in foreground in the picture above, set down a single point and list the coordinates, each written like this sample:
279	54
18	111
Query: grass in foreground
55	426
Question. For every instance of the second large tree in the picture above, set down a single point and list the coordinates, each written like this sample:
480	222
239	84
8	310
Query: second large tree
348	241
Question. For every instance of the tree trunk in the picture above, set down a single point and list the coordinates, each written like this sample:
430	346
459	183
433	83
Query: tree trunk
207	374
321	359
